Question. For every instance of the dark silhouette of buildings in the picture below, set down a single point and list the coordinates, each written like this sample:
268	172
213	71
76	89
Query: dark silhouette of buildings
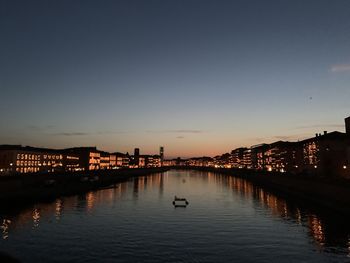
347	126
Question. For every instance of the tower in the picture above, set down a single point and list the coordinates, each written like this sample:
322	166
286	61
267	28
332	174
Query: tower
161	154
136	156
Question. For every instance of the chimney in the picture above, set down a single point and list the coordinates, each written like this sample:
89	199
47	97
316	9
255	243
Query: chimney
324	132
316	135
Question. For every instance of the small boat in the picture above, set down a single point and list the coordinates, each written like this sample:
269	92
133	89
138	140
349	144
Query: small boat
180	202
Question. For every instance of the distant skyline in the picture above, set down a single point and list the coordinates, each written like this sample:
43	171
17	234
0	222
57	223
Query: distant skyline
197	77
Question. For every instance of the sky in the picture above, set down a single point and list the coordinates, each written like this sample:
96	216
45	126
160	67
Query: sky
197	77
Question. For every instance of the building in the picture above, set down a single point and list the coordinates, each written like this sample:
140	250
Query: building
71	162
347	126
169	162
238	157
283	157
247	158
134	160
258	156
141	161
90	157
107	161
112	161
122	160
222	161
326	154
152	161
201	161
19	159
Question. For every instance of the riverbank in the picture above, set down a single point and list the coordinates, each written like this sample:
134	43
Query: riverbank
330	193
23	189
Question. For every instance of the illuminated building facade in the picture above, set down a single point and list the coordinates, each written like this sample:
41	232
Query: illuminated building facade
169	163
18	159
107	161
93	159
104	160
112	161
283	157
141	162
238	157
258	156
89	157
71	163
247	159
223	161
201	162
152	161
326	154
122	160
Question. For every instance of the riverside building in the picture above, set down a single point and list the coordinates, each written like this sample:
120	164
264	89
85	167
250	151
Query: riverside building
326	154
238	157
19	159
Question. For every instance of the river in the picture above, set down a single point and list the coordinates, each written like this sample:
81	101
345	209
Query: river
227	220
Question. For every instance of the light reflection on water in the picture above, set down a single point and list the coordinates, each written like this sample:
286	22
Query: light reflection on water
228	219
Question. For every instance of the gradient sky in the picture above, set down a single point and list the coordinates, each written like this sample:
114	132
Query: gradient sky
198	77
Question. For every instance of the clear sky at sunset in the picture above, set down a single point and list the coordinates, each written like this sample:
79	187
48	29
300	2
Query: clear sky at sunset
198	77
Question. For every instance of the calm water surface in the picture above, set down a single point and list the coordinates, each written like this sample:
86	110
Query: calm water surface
227	220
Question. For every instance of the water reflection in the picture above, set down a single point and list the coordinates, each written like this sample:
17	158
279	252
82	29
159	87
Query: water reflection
316	227
327	233
36	217
5	228
59	208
